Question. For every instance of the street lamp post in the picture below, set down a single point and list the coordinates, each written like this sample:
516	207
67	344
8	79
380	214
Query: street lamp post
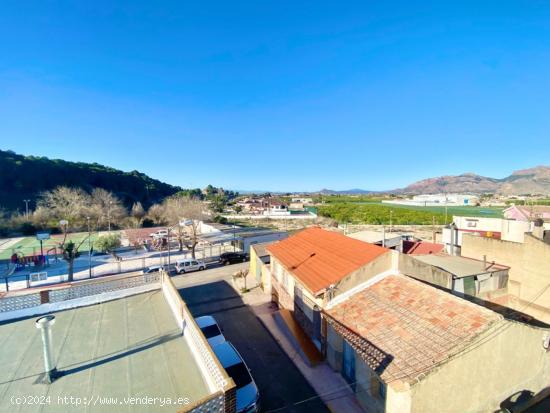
109	216
89	248
26	201
391	216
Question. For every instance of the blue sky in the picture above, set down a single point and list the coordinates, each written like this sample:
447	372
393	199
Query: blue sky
279	95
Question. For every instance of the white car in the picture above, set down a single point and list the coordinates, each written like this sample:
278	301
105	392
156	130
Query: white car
183	266
248	396
159	234
210	329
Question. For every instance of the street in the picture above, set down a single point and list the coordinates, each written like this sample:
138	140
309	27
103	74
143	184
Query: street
282	386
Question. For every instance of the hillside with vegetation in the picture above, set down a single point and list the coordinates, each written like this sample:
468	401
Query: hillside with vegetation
26	177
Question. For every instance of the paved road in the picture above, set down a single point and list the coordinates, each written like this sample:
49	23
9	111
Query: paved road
281	384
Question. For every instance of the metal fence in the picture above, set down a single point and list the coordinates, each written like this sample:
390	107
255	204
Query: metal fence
96	266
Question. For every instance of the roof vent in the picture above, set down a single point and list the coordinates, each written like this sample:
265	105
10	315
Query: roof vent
44	324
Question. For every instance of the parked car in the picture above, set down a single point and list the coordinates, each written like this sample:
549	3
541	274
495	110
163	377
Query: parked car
233	257
210	329
161	233
152	268
189	265
248	396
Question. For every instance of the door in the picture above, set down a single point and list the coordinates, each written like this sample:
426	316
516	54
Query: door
348	364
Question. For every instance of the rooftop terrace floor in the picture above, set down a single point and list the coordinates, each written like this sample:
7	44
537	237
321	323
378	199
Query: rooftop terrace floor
129	347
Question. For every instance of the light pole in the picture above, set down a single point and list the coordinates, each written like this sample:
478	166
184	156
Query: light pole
26	201
391	216
109	216
63	224
89	248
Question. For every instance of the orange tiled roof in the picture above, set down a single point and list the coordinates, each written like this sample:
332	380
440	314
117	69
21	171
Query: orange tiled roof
414	325
319	258
421	248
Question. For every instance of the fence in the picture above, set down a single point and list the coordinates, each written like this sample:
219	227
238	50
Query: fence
74	291
136	260
219	382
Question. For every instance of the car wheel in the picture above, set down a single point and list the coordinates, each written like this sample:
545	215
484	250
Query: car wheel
226	263
201	268
244	259
181	272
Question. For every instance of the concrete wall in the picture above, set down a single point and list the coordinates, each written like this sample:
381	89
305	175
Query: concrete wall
425	272
510	359
379	265
529	269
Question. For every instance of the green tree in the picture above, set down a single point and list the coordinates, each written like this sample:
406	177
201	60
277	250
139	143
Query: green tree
108	243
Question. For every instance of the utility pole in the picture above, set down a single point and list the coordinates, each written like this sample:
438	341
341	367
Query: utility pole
26	201
168	245
89	248
391	216
433	229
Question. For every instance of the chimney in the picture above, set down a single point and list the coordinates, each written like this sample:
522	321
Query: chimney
45	324
538	229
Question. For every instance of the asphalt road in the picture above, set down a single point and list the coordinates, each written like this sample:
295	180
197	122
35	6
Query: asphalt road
282	386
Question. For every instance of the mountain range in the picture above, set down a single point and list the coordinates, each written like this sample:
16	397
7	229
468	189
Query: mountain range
525	181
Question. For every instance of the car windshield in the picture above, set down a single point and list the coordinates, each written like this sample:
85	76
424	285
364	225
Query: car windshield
240	374
211	331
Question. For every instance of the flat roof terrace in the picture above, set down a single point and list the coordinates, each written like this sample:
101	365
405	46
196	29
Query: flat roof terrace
129	347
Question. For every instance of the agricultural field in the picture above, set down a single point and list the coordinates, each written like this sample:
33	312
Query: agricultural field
31	246
379	214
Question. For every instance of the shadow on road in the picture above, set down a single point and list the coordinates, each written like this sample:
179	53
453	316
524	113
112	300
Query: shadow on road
281	384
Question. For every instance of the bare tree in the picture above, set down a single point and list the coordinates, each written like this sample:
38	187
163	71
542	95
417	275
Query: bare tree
185	214
157	214
137	214
106	208
64	203
41	217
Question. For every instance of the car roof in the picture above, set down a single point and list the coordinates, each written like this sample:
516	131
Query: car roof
227	354
151	267
205	321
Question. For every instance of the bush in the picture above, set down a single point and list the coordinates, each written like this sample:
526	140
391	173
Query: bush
107	243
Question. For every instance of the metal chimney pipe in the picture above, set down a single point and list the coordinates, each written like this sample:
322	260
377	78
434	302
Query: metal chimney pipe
45	324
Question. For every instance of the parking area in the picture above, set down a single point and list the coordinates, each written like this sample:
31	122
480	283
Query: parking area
282	387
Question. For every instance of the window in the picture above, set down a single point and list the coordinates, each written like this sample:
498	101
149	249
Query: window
240	374
211	331
194	263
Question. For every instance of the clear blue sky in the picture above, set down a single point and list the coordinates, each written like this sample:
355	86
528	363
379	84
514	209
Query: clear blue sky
279	95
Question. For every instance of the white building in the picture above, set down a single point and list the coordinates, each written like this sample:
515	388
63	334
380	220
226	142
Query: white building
437	200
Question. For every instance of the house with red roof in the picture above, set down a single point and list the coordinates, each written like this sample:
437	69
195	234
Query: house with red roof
406	346
315	265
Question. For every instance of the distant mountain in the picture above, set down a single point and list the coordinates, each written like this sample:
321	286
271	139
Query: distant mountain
25	177
527	181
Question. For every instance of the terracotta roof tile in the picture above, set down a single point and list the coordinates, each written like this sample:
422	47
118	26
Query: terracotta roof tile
415	325
319	258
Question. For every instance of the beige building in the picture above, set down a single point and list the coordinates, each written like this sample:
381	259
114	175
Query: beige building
528	288
405	346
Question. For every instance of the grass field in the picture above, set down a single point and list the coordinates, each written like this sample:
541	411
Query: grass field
30	245
379	214
465	211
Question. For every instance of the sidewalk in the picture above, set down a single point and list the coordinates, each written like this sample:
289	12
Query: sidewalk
329	385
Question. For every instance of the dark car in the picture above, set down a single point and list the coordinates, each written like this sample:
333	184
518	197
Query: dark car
233	257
